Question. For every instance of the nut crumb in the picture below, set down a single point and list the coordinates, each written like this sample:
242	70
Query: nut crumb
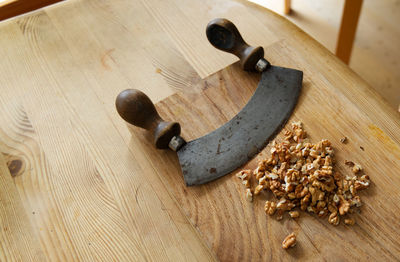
294	214
334	219
356	168
343	140
289	241
279	214
244	174
246	183
349	221
270	207
249	195
258	189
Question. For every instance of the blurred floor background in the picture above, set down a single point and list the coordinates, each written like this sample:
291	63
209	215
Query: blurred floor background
376	50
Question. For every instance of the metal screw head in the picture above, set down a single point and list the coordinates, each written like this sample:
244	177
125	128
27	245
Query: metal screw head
176	143
262	65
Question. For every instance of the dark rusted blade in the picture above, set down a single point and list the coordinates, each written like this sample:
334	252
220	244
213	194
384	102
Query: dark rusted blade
233	144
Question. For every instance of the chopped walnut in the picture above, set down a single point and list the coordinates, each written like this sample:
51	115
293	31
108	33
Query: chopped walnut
283	204
249	195
343	140
356	168
294	214
359	185
246	183
263	181
349	221
344	207
334	218
244	174
258	189
289	241
349	163
279	214
270	207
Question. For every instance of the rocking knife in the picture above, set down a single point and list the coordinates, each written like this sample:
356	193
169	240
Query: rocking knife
210	157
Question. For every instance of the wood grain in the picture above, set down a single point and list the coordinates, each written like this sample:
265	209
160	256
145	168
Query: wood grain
82	186
116	218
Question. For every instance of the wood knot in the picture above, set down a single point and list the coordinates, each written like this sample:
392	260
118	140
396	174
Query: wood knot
16	167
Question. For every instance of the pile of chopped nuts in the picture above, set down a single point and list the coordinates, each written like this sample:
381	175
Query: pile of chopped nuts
301	174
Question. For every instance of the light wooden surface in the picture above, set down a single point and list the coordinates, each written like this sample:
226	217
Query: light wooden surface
348	29
77	184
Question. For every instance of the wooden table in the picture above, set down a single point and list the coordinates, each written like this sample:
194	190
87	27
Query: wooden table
77	184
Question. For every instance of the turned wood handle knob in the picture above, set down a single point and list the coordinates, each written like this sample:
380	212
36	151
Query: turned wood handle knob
136	108
224	35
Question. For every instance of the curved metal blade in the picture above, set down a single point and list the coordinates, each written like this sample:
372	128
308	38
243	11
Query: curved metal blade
236	142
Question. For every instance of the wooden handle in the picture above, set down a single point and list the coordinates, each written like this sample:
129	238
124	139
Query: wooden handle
136	108
224	35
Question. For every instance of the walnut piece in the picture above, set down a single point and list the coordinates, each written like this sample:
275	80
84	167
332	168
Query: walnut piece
270	207
249	195
334	219
294	214
289	241
244	174
258	189
349	221
344	207
246	183
348	162
356	168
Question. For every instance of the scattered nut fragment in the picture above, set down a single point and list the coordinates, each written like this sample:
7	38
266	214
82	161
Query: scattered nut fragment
344	207
334	219
294	214
246	183
270	207
343	140
356	168
249	195
279	214
244	174
360	185
263	181
289	241
258	189
349	163
349	221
